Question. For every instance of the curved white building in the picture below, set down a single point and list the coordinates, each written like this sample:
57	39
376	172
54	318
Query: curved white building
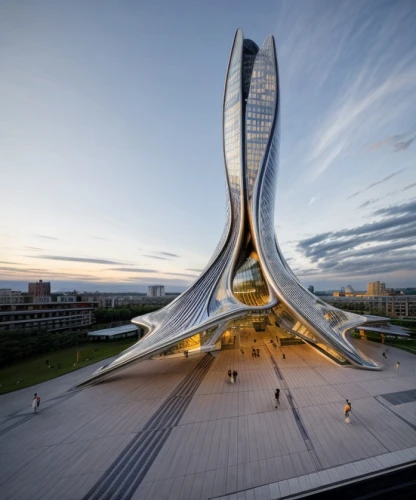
247	273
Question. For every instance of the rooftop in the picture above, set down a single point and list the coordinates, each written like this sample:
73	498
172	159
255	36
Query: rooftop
115	331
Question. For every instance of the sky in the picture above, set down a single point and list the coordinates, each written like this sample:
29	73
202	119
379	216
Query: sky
111	164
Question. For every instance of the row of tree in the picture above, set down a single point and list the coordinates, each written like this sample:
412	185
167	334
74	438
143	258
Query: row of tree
125	313
19	344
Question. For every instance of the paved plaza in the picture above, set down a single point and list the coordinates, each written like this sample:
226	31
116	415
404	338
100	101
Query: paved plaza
177	429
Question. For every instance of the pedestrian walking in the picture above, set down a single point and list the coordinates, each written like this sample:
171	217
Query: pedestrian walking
258	353
235	374
230	373
253	353
384	355
398	365
347	409
35	402
277	398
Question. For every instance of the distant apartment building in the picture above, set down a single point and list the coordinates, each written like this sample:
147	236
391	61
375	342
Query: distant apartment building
66	298
51	316
40	289
8	296
376	288
311	288
396	306
156	291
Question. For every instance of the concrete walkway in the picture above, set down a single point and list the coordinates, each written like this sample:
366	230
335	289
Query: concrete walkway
229	440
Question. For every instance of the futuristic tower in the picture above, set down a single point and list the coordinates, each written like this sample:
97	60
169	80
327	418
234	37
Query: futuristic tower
247	272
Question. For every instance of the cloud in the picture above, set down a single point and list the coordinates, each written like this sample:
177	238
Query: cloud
196	270
377	183
312	200
382	246
369	202
401	146
377	90
30	273
168	254
180	274
47	237
384	179
385	142
155	257
133	270
7	262
396	140
75	259
409	187
403	209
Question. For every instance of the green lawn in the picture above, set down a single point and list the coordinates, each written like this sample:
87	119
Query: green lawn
405	343
35	370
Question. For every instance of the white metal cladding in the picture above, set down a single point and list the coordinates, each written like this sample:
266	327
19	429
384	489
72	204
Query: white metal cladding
248	246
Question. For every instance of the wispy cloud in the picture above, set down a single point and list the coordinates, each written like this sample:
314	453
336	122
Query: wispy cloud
377	183
155	257
399	143
180	274
379	88
47	237
75	259
409	187
133	270
401	146
385	142
168	254
312	200
196	270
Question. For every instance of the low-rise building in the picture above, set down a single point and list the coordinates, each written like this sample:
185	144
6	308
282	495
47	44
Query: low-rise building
66	298
51	316
8	296
116	333
382	305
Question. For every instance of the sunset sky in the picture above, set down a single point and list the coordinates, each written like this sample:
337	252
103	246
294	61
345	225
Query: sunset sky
112	173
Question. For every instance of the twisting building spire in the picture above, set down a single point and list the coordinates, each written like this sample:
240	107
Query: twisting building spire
247	272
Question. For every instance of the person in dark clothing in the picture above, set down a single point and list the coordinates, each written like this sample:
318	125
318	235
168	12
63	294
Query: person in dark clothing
235	375
277	397
258	353
253	353
229	373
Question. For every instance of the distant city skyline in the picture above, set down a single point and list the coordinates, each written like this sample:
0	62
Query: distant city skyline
103	185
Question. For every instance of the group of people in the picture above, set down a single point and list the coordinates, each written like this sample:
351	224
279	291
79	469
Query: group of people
255	353
232	375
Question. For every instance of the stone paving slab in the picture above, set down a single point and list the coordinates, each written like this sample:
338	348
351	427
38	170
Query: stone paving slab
230	440
294	487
